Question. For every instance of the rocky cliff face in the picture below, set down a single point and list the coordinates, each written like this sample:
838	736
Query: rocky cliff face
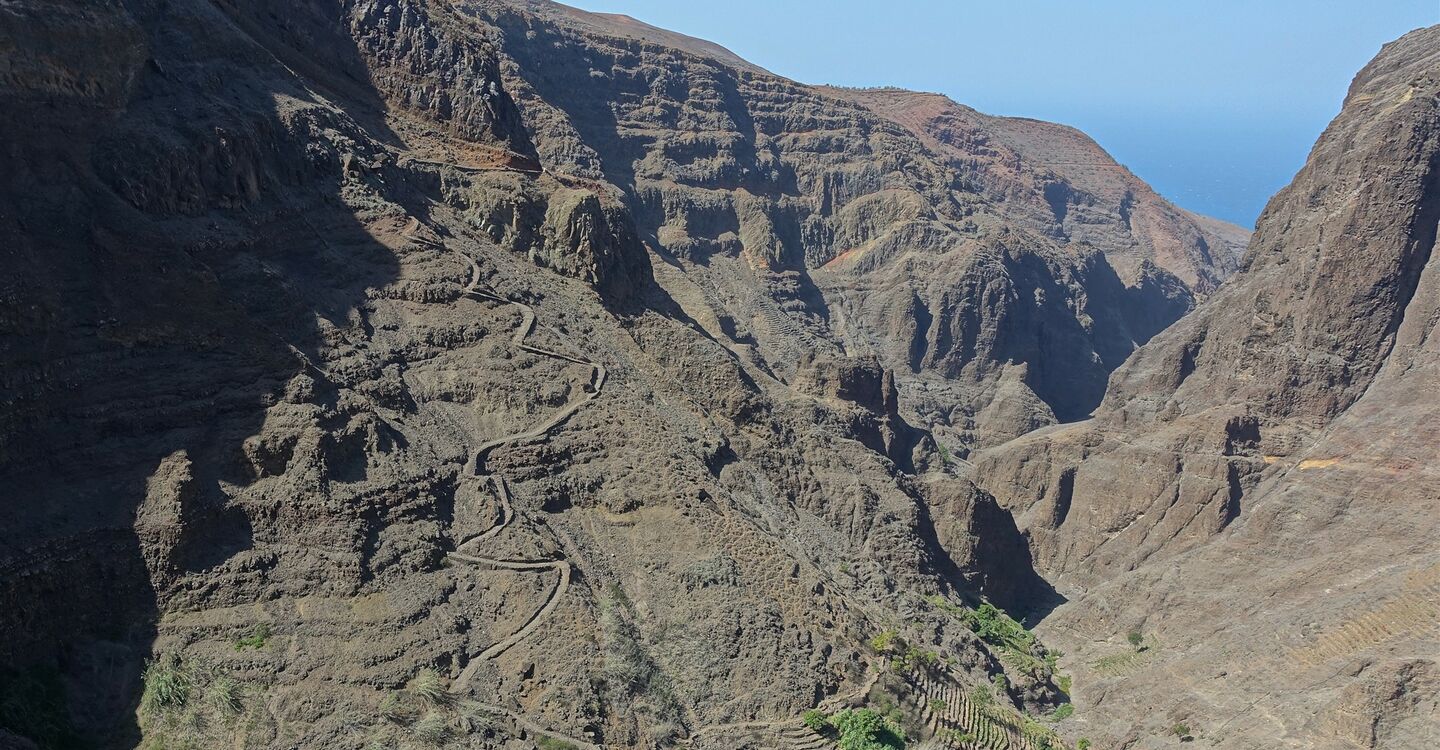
954	246
1257	490
466	373
490	374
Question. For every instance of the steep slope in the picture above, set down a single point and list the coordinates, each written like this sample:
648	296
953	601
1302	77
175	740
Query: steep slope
341	391
1258	491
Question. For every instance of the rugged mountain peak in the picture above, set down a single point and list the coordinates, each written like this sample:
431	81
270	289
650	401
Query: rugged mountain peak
1069	187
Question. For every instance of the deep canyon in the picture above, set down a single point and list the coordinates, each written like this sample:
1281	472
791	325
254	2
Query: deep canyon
491	374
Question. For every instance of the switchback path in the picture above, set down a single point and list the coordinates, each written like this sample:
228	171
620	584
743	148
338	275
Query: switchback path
466	552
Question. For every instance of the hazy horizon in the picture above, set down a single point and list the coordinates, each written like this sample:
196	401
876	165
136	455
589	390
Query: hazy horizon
1216	106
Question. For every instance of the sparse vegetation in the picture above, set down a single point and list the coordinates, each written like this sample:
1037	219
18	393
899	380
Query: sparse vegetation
1039	734
632	678
397	709
1015	645
1065	682
430	688
1182	731
188	703
432	729
255	639
546	742
1137	640
475	718
224	696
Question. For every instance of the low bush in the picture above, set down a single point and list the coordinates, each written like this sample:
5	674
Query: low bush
256	639
883	642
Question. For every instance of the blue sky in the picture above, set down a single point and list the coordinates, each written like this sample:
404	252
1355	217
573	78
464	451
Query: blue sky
1214	103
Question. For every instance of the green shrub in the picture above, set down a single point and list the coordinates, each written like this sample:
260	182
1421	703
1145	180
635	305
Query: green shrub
1064	712
884	641
816	720
937	705
167	685
1182	731
1065	682
256	639
1083	744
864	729
1136	639
996	628
981	697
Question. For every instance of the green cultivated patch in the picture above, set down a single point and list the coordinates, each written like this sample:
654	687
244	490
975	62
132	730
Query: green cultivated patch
865	729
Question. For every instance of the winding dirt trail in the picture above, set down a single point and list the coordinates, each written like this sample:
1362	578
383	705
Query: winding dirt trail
466	551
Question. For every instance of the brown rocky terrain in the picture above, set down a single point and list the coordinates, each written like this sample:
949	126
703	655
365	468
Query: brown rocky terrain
490	374
1258	491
